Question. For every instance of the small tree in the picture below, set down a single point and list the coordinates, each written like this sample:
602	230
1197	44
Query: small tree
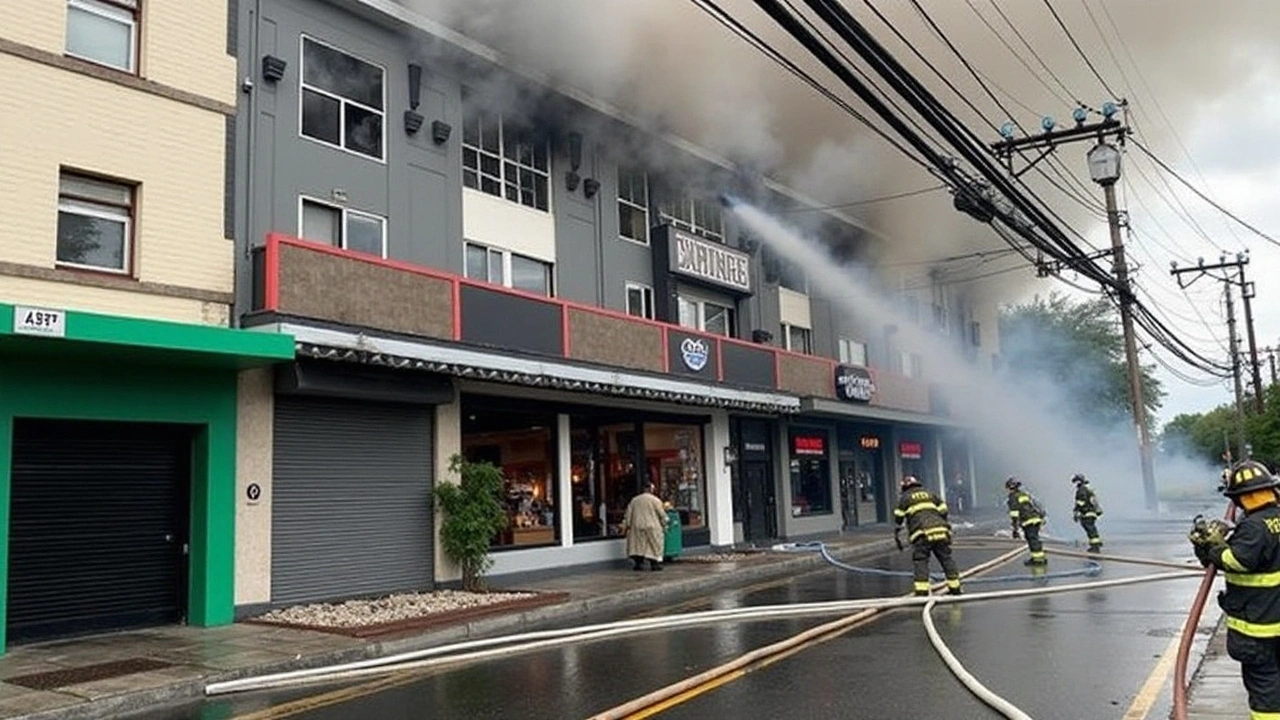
473	514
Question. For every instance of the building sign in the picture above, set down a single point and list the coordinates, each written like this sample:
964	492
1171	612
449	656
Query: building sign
854	383
869	442
695	352
708	261
39	321
809	445
754	447
910	450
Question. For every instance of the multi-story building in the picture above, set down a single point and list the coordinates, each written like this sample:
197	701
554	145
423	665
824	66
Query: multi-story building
118	370
472	261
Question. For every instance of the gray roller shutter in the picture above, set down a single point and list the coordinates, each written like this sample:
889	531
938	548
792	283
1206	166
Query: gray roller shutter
351	507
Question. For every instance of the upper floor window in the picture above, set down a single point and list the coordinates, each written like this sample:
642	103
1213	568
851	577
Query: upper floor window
798	339
340	227
502	159
698	216
342	100
852	352
633	205
639	300
104	32
95	223
911	365
503	267
707	316
792	277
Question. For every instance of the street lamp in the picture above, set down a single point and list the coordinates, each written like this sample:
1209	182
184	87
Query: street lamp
1104	169
1104	164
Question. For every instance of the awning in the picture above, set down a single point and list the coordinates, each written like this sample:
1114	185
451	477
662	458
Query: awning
351	346
859	411
36	332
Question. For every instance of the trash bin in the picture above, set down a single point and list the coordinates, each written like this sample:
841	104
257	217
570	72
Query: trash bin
673	542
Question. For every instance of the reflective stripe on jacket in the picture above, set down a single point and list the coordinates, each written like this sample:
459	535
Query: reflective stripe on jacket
1250	562
1023	510
1087	501
925	515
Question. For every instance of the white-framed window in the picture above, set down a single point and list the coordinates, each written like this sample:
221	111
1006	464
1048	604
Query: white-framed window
501	158
633	205
911	364
707	316
699	216
343	228
342	100
95	223
104	32
852	352
639	300
503	267
797	339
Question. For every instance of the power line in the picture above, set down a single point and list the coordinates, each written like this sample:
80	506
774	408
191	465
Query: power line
1035	54
1016	56
1080	51
869	201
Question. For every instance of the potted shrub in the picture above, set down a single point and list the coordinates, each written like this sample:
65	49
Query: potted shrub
473	514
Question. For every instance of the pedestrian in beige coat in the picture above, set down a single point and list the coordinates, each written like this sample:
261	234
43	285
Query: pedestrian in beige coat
644	524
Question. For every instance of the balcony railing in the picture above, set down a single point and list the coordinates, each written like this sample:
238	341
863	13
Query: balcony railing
304	279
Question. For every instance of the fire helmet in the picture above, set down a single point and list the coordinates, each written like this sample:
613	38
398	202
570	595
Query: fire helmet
1012	483
909	481
1247	476
1078	478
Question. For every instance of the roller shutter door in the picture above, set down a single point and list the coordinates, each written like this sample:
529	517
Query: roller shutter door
98	527
351	506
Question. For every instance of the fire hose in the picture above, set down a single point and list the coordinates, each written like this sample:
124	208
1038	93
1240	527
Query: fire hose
1189	633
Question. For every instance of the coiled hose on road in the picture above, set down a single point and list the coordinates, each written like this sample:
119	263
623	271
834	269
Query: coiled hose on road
1091	569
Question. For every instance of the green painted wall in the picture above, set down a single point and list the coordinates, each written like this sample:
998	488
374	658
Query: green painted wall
205	399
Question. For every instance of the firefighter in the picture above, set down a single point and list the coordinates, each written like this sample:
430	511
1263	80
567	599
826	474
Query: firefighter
1026	515
1249	556
929	533
1087	510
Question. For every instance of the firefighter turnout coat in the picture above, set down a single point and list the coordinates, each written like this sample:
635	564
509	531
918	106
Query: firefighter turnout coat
1087	505
1250	561
925	515
1023	510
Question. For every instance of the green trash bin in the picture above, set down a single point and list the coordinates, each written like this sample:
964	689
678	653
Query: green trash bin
673	542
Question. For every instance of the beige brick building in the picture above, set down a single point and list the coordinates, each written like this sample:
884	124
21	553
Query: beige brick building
135	98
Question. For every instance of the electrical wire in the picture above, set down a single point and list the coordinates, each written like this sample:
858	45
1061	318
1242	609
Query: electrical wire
1039	78
869	201
1080	51
1030	48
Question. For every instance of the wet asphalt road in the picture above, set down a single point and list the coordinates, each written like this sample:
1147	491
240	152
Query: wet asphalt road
1072	656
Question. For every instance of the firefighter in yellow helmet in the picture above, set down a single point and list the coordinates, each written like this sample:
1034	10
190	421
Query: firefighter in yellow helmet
929	533
1249	556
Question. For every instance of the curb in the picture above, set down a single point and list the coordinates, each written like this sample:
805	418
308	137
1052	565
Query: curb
186	691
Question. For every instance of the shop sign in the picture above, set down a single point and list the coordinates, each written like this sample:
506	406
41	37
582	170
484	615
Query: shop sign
711	262
695	352
755	447
854	383
253	493
809	445
39	321
910	450
869	442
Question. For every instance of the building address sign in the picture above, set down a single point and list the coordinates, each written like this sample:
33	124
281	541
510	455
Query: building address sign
710	262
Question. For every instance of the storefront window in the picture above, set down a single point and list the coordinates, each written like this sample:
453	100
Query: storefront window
523	446
673	460
810	473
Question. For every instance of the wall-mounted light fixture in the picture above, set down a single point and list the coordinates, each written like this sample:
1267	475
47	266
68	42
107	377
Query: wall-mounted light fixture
440	131
571	180
730	454
573	144
590	187
415	85
273	68
412	121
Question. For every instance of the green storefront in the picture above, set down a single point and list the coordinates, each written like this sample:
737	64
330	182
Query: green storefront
117	470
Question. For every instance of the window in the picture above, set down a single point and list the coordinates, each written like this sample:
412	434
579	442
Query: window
707	316
633	205
639	300
503	160
342	100
698	216
343	228
104	32
523	445
791	276
502	267
852	352
95	223
797	339
911	364
810	473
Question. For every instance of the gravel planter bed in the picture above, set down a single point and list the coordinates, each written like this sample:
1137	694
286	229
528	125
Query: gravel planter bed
405	612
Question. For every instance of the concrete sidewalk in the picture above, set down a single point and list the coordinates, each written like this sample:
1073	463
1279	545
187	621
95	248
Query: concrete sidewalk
124	673
1216	692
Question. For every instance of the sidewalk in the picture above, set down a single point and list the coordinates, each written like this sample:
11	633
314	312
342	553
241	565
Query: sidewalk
122	673
1216	692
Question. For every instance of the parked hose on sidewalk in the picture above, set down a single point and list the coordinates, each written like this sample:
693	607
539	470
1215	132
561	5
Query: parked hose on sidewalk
997	703
1189	634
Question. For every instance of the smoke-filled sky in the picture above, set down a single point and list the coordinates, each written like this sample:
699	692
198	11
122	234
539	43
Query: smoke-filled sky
1202	80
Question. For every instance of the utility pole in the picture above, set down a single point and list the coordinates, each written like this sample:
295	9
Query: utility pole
1247	292
1228	279
1271	358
